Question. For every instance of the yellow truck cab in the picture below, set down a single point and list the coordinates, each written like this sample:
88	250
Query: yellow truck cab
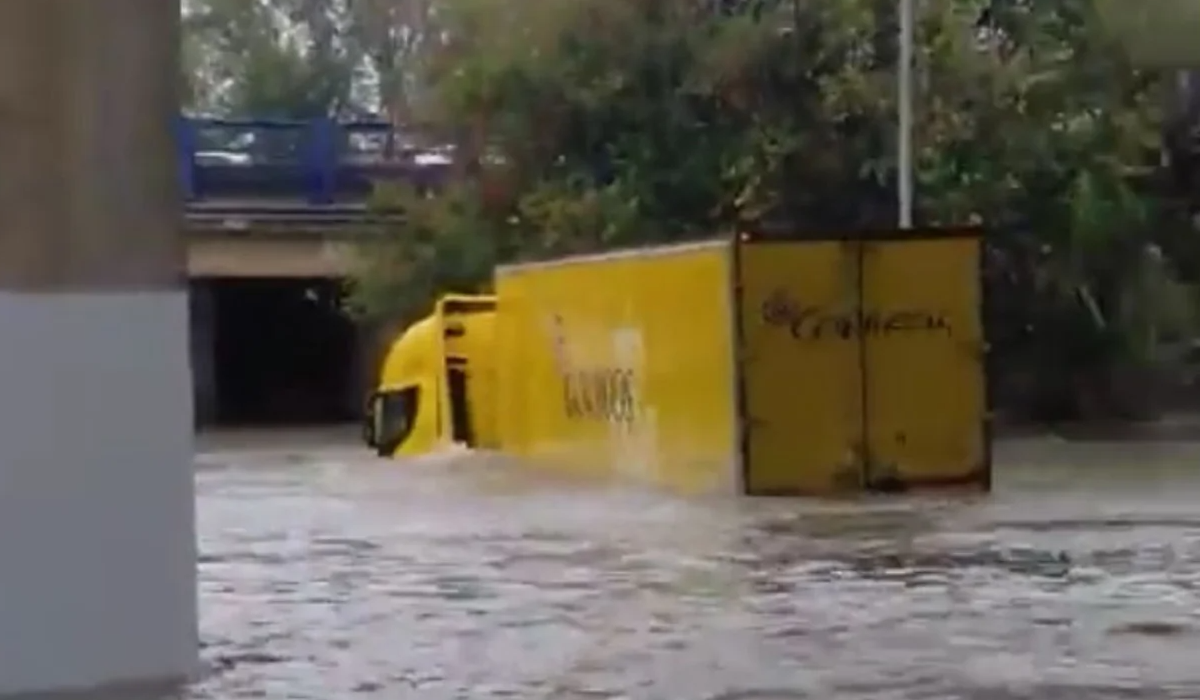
436	382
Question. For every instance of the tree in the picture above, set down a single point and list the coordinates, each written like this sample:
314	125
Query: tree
394	36
279	58
305	58
587	124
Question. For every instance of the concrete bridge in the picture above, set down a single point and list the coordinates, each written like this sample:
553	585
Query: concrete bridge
282	198
273	209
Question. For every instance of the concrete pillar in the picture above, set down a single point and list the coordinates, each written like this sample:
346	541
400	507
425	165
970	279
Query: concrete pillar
97	542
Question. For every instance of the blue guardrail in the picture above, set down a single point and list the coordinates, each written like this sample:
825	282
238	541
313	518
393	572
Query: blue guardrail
317	162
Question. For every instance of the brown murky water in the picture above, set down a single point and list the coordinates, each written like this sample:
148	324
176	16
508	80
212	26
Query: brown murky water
329	574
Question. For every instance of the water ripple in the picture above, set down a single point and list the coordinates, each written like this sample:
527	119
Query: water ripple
326	574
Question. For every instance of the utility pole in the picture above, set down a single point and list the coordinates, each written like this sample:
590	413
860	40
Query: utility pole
904	116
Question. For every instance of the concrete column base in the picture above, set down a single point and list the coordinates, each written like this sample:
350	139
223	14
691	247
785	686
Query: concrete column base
97	540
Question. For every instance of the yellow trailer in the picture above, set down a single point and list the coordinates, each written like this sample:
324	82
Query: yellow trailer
799	365
622	364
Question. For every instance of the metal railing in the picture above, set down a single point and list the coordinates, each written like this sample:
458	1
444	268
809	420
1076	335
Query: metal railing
318	162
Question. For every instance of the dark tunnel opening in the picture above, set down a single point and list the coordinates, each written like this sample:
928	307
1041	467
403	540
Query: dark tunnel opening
273	352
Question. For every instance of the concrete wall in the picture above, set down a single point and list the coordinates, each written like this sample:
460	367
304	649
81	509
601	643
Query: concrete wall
203	325
267	255
97	545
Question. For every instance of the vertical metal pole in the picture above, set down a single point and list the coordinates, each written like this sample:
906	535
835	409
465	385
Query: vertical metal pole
904	118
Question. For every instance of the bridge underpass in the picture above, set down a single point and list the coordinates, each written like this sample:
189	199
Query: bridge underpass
271	344
272	210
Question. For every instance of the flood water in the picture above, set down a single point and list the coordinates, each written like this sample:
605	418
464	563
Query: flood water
328	574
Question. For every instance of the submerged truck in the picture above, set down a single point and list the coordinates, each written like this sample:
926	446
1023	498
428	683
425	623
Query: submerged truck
753	364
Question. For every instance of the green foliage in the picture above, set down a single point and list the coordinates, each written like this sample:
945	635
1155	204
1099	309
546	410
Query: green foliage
441	251
588	124
622	121
303	58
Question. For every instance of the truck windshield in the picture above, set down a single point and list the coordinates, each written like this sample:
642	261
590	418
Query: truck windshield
394	414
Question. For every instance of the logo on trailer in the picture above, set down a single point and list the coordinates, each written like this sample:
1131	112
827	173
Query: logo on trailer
608	393
808	322
596	392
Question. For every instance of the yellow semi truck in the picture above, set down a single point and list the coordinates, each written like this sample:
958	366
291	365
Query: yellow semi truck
761	365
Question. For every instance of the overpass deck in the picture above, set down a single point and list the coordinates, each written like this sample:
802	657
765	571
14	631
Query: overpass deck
277	198
261	217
